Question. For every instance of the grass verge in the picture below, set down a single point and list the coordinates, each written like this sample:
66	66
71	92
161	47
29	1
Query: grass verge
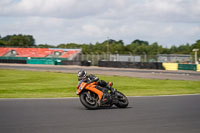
34	84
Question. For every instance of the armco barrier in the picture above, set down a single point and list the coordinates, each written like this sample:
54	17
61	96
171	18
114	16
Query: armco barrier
41	61
198	67
192	67
14	58
140	65
170	66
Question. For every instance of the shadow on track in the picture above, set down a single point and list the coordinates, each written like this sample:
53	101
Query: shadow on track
108	108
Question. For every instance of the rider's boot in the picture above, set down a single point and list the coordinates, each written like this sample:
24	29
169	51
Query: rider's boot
104	99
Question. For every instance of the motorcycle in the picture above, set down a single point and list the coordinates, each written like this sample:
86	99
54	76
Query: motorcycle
89	96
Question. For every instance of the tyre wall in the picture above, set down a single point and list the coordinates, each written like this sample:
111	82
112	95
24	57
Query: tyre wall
13	61
80	63
140	65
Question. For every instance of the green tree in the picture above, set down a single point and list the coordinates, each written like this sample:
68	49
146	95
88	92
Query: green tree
45	46
6	38
184	49
138	47
196	45
19	40
173	49
2	43
155	49
69	45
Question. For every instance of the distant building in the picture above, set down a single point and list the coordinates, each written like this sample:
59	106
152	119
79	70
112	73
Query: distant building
69	54
129	58
180	58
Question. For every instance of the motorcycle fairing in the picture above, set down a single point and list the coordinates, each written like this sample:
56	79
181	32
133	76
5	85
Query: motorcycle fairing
90	87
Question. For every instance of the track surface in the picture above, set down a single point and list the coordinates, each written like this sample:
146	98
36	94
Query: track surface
168	114
141	73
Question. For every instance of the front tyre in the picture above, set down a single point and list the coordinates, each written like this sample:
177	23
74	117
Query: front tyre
88	101
122	100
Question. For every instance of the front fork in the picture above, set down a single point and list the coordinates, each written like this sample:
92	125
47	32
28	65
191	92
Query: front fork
90	97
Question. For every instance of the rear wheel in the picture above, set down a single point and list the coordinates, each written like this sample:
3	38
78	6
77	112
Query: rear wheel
122	100
88	100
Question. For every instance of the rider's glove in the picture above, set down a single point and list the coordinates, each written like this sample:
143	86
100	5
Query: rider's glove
111	89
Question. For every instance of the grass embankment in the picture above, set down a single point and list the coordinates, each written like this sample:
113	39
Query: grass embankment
33	84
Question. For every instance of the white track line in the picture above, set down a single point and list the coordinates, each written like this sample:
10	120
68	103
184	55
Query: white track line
168	95
38	98
78	97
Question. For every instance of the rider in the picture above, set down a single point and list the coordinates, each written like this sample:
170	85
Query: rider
101	85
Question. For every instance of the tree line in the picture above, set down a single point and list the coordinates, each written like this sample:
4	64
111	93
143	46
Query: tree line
17	41
136	47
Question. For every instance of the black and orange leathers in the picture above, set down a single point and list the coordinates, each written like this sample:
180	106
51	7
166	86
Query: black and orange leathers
90	87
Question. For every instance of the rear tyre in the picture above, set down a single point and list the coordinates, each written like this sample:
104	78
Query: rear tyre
122	100
88	101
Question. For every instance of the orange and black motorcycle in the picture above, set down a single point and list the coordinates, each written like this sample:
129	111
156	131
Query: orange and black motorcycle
91	97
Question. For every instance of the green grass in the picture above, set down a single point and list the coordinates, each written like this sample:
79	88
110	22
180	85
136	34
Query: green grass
35	84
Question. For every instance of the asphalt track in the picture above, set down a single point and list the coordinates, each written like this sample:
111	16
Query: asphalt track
141	73
168	114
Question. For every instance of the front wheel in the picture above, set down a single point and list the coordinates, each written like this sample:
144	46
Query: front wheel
122	100
88	101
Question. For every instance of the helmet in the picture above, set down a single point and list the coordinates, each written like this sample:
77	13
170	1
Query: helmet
81	74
